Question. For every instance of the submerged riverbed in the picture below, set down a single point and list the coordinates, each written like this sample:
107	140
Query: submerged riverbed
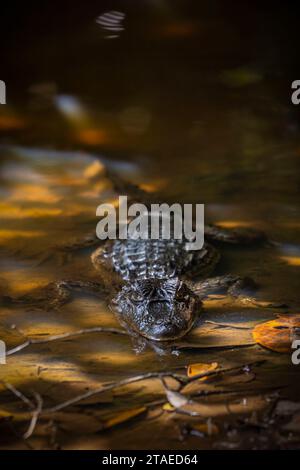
168	107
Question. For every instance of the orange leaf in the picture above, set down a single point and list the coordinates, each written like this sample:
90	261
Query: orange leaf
277	334
209	428
201	368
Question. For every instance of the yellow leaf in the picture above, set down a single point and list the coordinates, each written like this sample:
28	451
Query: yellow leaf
16	416
123	416
5	414
291	260
168	407
234	223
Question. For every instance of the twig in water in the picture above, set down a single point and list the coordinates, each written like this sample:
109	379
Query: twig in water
61	336
26	443
53	426
18	394
111	386
138	378
222	371
35	416
228	325
35	413
207	393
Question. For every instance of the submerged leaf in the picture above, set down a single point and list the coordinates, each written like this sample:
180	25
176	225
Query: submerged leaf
123	416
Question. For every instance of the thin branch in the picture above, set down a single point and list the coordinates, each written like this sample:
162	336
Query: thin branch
36	409
35	416
186	346
61	336
228	325
138	378
207	393
112	386
18	394
53	426
26	443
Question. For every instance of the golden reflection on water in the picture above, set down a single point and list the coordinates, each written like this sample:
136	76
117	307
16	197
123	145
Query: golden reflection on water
180	114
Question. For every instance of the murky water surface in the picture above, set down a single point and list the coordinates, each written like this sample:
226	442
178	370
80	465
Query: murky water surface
177	101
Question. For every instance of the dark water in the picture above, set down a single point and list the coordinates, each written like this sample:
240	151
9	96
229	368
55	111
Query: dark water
189	99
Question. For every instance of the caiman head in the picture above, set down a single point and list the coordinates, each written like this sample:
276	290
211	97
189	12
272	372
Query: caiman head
158	309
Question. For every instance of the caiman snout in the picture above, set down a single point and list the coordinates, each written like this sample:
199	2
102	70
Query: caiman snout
159	309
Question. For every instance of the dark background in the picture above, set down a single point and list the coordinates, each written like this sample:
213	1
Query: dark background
42	40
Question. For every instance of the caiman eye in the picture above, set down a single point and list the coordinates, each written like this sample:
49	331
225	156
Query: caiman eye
181	305
136	297
182	296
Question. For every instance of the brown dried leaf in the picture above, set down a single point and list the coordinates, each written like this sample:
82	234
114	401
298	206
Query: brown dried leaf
277	334
176	399
208	428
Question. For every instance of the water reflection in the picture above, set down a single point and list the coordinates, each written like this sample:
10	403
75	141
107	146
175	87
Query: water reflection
112	23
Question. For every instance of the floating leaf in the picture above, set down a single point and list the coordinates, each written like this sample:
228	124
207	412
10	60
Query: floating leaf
5	414
123	416
208	428
277	334
201	368
176	399
168	407
291	260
